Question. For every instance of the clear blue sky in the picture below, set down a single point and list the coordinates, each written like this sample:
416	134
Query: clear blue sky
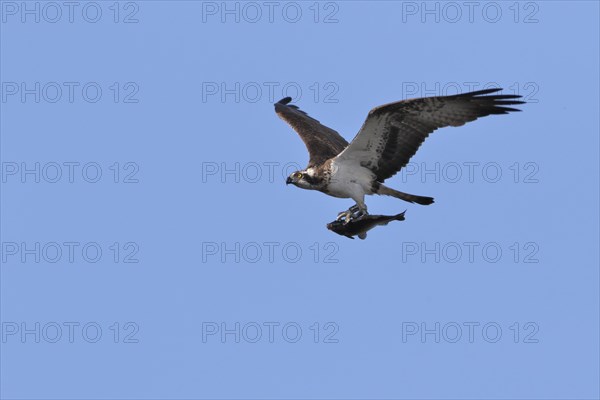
151	249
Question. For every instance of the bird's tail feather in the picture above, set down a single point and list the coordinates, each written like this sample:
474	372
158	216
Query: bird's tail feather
411	198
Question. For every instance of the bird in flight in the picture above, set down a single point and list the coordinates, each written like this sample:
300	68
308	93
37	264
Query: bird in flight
389	137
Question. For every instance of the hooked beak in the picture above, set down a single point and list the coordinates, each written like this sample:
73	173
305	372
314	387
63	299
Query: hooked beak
288	180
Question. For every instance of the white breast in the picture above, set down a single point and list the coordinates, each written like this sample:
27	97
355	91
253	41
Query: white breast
349	180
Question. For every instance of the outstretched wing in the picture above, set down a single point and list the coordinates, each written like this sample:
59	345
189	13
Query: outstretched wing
392	133
322	142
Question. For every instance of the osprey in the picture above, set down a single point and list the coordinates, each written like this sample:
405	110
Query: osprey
389	137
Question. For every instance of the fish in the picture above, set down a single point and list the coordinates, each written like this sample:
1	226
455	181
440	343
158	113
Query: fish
361	225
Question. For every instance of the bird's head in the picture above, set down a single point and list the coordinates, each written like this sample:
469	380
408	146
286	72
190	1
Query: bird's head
302	179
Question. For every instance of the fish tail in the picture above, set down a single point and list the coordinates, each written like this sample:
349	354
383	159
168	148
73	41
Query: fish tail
399	217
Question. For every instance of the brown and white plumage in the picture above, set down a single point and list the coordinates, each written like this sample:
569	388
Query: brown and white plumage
322	142
389	137
392	133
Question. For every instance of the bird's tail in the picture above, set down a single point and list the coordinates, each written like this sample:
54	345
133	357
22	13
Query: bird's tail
411	198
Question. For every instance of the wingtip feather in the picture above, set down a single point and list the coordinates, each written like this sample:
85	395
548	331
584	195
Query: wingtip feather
479	92
285	100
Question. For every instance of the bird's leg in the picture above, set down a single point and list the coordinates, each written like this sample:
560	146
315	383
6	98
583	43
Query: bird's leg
361	210
354	208
354	212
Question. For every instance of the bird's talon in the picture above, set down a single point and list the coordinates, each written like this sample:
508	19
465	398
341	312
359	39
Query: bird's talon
345	217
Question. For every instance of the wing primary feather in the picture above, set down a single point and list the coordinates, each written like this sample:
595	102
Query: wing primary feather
285	100
321	142
477	92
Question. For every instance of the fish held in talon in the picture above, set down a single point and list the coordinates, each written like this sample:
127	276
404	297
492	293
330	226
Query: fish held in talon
361	225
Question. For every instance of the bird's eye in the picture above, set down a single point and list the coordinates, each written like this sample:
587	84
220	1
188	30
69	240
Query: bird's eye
298	175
